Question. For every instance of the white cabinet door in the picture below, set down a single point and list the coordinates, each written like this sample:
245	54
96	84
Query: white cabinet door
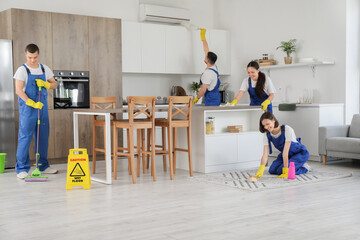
219	43
153	48
250	147
221	150
131	47
178	50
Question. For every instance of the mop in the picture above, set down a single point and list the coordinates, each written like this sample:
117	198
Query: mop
36	174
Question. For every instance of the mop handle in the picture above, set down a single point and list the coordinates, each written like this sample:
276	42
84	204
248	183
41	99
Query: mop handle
38	133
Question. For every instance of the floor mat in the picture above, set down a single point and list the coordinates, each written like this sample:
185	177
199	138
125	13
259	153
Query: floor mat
240	179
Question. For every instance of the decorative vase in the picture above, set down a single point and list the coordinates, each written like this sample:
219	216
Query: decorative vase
288	60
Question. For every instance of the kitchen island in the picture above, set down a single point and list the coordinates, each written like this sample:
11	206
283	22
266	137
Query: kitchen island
223	150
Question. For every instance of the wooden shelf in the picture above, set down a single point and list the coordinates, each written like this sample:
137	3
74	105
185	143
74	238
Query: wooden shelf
312	65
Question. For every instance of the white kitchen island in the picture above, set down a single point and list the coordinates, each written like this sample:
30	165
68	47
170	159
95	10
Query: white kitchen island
223	150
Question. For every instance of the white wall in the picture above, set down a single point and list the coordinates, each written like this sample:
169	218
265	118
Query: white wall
352	58
259	26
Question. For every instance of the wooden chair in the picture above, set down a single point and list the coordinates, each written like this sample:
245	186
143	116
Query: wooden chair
100	103
137	106
178	116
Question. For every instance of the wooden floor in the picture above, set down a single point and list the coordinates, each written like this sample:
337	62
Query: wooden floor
179	209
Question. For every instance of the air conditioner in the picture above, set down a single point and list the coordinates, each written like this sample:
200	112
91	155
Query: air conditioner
156	13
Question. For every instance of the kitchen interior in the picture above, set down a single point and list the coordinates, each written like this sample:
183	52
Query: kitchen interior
100	50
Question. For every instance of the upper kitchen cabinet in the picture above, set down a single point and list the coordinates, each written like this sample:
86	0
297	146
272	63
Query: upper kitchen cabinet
25	27
155	48
70	41
178	49
152	48
219	43
105	57
131	51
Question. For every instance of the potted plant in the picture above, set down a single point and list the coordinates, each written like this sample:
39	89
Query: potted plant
195	86
288	47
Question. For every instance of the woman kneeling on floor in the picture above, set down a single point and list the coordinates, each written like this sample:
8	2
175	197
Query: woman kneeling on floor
284	139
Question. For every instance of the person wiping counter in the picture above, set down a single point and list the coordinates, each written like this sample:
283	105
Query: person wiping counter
260	88
209	80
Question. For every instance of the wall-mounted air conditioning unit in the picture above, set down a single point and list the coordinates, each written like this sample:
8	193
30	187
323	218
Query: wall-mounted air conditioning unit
156	13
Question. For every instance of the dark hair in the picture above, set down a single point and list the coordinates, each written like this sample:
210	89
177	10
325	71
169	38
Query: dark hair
270	116
32	48
259	88
211	57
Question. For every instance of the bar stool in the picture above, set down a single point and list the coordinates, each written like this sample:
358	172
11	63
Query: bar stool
101	103
178	116
137	106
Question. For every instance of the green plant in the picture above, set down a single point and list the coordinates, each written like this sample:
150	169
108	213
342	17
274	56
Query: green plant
195	86
288	47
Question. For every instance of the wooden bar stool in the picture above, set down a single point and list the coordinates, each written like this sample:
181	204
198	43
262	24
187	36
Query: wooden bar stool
137	106
178	116
100	103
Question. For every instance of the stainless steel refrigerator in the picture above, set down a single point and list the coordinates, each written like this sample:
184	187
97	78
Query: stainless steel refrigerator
7	111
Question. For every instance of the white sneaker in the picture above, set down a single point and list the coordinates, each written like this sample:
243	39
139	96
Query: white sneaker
307	166
22	175
50	170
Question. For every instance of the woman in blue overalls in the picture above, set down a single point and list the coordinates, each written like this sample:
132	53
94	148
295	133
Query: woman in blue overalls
27	83
209	80
284	139
260	88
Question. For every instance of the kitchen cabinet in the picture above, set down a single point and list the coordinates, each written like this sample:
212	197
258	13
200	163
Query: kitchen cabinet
70	42
105	57
223	150
178	49
306	120
64	135
131	53
25	27
155	48
152	48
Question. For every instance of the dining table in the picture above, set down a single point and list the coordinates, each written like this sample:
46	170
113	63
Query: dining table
106	113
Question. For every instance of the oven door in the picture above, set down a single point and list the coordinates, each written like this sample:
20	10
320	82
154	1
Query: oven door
75	94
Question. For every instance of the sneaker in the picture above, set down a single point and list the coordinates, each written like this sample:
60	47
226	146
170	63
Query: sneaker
22	175
307	166
50	170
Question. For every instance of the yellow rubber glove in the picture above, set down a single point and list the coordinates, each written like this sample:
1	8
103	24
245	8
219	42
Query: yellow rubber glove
195	100
202	34
234	102
284	173
265	104
41	83
31	103
260	172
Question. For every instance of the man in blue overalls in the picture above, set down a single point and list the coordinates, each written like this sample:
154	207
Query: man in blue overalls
210	81
28	78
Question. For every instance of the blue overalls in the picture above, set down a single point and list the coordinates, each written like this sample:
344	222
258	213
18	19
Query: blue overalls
297	154
212	98
28	124
255	100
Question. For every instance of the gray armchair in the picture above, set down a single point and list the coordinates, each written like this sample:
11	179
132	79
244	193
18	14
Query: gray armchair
340	141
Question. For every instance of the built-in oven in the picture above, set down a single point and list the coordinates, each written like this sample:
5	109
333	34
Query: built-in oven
73	89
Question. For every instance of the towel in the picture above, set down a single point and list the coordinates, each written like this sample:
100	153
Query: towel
287	106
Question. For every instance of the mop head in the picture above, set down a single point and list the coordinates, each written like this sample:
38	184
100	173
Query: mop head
190	26
36	177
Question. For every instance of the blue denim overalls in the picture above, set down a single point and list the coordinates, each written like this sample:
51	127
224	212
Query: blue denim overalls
255	100
27	125
212	98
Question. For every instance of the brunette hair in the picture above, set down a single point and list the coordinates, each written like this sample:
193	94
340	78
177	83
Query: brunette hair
32	48
211	58
270	116
260	83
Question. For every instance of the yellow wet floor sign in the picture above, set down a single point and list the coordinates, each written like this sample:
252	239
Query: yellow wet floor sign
78	169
